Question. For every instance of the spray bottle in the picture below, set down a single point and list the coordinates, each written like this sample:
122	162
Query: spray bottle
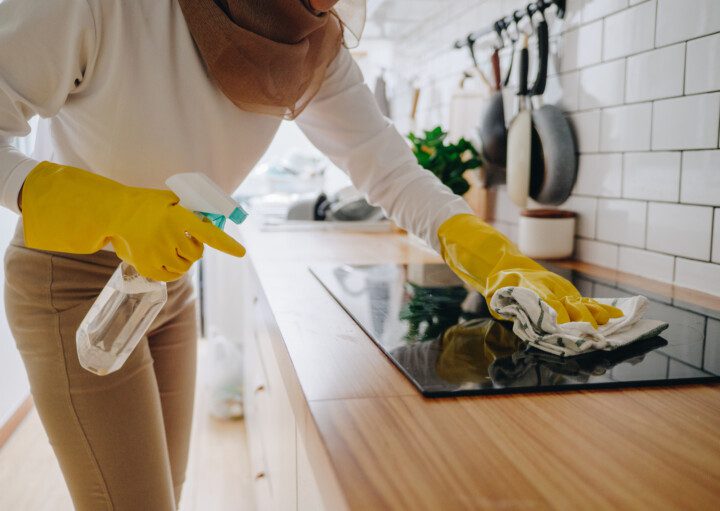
129	302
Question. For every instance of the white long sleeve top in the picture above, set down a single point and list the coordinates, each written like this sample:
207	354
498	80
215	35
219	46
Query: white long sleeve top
122	91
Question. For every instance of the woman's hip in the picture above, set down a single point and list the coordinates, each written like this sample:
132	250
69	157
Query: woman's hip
40	285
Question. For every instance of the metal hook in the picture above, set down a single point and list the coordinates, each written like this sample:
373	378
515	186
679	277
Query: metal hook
513	41
498	26
465	76
541	6
518	18
530	13
471	47
513	23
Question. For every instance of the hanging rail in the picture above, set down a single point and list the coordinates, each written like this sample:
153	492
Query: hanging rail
503	23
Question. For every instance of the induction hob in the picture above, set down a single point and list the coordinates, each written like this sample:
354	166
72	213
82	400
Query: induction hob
442	337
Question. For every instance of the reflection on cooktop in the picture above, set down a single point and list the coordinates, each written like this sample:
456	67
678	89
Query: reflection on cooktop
442	337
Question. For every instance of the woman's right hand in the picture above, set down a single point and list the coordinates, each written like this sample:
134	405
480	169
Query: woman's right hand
66	209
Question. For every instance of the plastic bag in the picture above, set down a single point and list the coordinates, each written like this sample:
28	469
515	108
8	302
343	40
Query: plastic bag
224	378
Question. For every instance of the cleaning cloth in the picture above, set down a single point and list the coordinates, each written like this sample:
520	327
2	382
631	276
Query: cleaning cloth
535	322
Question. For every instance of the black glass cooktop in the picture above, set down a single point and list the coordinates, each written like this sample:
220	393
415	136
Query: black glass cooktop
442	337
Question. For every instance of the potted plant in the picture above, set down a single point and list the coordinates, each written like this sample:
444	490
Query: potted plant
448	161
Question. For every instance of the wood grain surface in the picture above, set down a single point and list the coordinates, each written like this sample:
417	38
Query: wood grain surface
12	423
386	447
640	449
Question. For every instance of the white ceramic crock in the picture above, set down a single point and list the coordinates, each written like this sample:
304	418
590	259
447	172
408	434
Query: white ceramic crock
546	233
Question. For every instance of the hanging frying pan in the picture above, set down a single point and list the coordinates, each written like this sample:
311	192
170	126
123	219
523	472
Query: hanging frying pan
519	140
491	130
554	175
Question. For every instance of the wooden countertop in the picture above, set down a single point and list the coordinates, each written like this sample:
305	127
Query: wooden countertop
376	443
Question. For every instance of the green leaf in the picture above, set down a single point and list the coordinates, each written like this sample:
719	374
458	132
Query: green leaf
447	161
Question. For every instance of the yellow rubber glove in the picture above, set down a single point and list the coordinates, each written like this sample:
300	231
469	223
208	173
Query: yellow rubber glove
469	349
488	261
66	209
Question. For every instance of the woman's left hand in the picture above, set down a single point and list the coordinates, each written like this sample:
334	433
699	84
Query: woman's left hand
488	261
556	291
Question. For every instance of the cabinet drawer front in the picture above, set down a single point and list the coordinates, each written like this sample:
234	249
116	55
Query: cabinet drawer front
275	428
255	381
253	405
263	493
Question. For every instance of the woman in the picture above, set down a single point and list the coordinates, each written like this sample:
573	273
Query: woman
132	92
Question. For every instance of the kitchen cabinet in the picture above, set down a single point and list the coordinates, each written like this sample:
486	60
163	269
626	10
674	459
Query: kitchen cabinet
284	479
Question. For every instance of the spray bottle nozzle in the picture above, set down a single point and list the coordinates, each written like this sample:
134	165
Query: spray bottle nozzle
238	216
199	193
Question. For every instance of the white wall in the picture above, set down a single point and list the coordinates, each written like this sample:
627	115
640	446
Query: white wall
640	80
14	387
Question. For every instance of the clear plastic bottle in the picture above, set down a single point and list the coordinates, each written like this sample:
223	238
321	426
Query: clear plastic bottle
129	303
118	319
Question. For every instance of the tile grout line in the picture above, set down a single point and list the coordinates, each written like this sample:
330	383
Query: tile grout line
680	175
655	28
712	235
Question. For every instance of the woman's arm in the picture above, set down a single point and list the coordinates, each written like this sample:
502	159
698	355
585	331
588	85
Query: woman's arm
345	123
47	51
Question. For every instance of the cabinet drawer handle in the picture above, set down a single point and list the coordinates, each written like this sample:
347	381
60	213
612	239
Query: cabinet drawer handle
259	388
259	475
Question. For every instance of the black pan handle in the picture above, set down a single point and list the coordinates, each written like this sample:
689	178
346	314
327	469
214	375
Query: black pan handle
506	81
543	35
523	73
505	27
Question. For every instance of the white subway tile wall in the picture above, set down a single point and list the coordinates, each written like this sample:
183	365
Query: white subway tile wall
690	122
651	176
640	82
630	31
595	9
621	221
586	209
680	230
602	85
701	178
587	130
562	90
680	20
600	175
697	275
626	128
656	74
702	73
597	252
646	264
582	47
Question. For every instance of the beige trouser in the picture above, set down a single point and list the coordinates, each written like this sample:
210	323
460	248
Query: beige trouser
122	439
